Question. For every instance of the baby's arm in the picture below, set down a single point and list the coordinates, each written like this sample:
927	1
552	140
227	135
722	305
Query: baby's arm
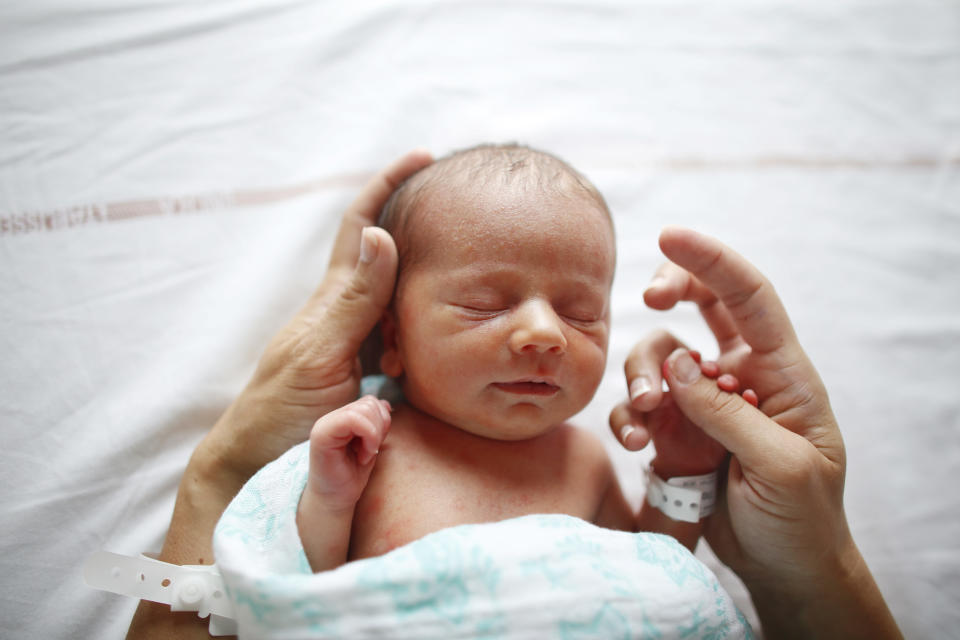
682	450
343	449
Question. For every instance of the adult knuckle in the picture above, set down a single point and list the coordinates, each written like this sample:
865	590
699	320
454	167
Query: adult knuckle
356	290
726	405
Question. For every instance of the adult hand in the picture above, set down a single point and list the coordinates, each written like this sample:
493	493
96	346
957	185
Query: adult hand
309	369
311	366
781	527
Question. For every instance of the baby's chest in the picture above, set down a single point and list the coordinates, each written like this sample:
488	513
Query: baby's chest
409	497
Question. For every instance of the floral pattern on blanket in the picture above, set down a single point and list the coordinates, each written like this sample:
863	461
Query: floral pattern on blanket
530	577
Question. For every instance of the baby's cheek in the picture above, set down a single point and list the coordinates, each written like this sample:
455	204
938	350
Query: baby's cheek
589	367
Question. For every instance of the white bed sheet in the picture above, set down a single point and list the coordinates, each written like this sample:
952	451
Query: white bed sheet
171	175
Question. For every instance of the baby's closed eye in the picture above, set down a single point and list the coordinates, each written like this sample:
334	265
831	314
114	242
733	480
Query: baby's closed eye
480	306
582	309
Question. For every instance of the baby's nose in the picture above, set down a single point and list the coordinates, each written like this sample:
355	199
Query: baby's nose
537	329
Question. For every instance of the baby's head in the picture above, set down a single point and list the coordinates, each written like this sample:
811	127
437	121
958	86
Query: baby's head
500	320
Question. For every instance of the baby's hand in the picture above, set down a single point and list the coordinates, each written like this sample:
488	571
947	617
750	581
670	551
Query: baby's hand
683	449
343	449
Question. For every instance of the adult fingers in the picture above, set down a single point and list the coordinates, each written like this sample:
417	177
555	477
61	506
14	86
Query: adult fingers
365	209
358	305
756	440
753	304
642	369
672	284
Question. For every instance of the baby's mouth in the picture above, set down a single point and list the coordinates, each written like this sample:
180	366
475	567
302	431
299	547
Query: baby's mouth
529	387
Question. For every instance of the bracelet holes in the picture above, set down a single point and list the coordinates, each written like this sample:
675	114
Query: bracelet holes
165	583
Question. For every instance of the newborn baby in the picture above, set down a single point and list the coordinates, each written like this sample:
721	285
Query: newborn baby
497	334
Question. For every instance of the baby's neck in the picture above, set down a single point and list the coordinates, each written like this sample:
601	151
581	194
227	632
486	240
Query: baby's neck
418	423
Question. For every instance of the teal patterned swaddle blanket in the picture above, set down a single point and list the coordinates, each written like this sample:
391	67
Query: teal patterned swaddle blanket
538	576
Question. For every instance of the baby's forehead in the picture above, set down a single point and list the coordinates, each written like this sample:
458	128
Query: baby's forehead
475	210
472	194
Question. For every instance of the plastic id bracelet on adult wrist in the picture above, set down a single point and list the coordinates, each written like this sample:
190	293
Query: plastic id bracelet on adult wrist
686	498
184	587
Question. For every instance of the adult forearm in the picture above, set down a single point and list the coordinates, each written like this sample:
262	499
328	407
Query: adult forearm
205	491
845	603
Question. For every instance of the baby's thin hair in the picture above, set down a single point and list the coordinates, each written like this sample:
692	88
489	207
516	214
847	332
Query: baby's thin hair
487	165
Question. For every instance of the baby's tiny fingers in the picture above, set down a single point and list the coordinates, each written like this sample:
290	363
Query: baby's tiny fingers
629	428
751	397
385	409
728	382
710	368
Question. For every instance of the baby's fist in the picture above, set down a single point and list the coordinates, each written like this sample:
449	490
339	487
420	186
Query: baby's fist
343	449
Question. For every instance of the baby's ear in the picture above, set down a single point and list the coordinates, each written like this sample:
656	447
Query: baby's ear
390	362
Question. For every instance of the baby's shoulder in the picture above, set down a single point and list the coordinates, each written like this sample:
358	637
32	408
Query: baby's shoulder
584	446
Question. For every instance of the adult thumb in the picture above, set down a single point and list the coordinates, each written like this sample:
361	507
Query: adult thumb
738	426
359	304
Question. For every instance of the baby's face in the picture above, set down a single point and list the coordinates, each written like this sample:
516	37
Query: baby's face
501	326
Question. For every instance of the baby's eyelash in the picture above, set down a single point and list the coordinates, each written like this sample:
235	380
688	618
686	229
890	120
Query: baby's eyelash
480	311
583	320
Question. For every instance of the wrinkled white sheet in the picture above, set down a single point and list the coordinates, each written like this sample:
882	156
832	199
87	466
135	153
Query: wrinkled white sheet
171	175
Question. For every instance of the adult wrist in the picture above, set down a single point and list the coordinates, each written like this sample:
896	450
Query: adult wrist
212	472
836	597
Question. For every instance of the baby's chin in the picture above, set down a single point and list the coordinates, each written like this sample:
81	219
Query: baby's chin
525	422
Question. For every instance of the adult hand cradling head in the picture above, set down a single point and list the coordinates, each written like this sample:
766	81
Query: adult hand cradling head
309	369
311	366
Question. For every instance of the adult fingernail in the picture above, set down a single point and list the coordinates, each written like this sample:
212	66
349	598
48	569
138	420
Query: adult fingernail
368	246
625	433
639	386
684	368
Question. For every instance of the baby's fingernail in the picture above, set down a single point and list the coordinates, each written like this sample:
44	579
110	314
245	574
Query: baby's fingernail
710	369
639	386
368	246
728	383
684	368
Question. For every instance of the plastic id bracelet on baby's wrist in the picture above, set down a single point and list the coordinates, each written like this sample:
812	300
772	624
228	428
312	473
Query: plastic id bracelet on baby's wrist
686	498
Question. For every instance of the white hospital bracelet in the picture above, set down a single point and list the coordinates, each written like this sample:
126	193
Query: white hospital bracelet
184	587
687	498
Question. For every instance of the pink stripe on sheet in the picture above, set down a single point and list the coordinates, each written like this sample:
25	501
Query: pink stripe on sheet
94	214
84	215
